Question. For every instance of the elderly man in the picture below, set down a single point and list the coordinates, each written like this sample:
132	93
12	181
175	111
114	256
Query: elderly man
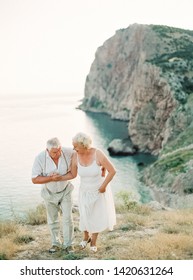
49	169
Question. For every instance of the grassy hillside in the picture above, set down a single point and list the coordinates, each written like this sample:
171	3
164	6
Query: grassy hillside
141	233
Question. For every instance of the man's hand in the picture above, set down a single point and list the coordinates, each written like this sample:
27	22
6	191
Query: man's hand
55	177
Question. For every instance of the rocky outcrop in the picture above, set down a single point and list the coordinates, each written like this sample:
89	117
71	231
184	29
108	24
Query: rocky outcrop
121	147
142	75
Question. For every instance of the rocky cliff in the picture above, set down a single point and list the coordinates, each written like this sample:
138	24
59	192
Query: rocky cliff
144	74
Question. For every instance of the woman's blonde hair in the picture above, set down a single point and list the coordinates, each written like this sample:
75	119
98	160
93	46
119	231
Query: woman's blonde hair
82	139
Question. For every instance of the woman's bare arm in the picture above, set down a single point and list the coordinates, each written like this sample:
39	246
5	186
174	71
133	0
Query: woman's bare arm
107	164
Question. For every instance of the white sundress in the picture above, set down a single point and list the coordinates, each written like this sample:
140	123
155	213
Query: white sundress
97	210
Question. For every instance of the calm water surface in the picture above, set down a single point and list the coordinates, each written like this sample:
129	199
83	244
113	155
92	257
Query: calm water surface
27	121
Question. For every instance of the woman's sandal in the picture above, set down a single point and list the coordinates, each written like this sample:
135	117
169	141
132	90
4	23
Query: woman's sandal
93	249
84	243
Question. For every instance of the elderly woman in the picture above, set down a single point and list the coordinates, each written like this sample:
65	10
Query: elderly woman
96	205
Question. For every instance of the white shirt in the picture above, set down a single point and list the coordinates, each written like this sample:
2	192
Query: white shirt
44	166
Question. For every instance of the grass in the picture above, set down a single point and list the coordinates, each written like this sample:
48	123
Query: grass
175	162
141	233
182	140
157	235
13	234
164	171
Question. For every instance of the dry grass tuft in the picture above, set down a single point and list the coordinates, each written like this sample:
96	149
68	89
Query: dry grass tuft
37	216
8	248
12	237
7	228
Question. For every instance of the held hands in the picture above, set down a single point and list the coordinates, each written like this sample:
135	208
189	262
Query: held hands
55	177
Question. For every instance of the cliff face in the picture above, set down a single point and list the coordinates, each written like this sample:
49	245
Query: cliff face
142	74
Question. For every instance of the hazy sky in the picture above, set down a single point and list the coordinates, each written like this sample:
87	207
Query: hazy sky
49	45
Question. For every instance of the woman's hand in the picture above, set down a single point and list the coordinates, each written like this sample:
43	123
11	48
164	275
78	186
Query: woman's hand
102	189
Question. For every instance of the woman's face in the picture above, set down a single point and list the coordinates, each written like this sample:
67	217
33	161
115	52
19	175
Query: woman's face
79	148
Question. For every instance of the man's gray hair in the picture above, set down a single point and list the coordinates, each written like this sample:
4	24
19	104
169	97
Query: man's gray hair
53	143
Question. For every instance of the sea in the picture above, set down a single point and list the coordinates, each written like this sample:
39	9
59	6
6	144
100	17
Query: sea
27	121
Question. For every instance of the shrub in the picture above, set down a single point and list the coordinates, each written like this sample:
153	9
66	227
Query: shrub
126	200
37	216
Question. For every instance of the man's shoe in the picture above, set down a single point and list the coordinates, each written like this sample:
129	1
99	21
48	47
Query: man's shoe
54	249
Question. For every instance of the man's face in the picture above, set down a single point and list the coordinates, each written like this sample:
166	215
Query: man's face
55	153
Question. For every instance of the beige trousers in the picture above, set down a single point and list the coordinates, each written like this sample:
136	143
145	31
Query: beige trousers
55	202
